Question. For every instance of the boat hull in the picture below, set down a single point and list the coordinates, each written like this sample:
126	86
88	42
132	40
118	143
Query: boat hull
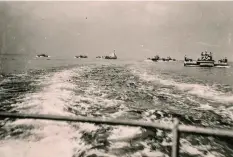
42	56
221	64
190	63
107	57
206	63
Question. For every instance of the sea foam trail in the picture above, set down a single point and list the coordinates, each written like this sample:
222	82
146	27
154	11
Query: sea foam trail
203	91
207	92
47	138
75	92
60	139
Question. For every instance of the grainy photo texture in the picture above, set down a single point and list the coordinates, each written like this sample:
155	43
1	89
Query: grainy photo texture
116	79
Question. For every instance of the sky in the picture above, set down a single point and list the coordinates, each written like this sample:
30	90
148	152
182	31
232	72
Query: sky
135	30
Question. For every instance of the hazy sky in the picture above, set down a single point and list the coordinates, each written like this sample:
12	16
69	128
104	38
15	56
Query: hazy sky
133	29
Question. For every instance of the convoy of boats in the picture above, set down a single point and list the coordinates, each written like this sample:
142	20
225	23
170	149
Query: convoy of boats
110	56
206	60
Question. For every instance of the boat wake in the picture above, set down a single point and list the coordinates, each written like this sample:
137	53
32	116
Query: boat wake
223	66
118	92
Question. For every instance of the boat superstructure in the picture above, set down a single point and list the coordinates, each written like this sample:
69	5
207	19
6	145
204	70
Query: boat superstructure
206	60
111	56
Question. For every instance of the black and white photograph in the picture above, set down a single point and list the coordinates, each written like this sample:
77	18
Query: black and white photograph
108	78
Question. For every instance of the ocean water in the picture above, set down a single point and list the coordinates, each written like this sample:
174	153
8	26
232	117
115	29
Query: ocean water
135	90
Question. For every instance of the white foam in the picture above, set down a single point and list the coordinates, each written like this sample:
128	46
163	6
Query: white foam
197	150
99	153
214	154
60	139
87	127
123	132
205	107
56	138
148	153
191	150
203	91
222	66
56	141
119	144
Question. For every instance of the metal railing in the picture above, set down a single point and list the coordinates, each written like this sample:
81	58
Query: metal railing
176	128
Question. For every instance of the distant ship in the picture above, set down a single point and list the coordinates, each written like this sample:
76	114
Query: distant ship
222	63
205	61
158	59
42	55
189	62
111	56
81	56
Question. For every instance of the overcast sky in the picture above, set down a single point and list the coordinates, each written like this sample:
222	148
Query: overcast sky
134	29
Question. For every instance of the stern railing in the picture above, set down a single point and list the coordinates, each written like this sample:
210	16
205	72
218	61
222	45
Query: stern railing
176	128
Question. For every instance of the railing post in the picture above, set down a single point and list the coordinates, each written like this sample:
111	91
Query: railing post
176	139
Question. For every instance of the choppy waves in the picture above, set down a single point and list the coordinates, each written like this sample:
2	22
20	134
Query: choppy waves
110	91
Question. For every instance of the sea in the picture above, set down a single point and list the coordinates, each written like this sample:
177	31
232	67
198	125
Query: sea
119	89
